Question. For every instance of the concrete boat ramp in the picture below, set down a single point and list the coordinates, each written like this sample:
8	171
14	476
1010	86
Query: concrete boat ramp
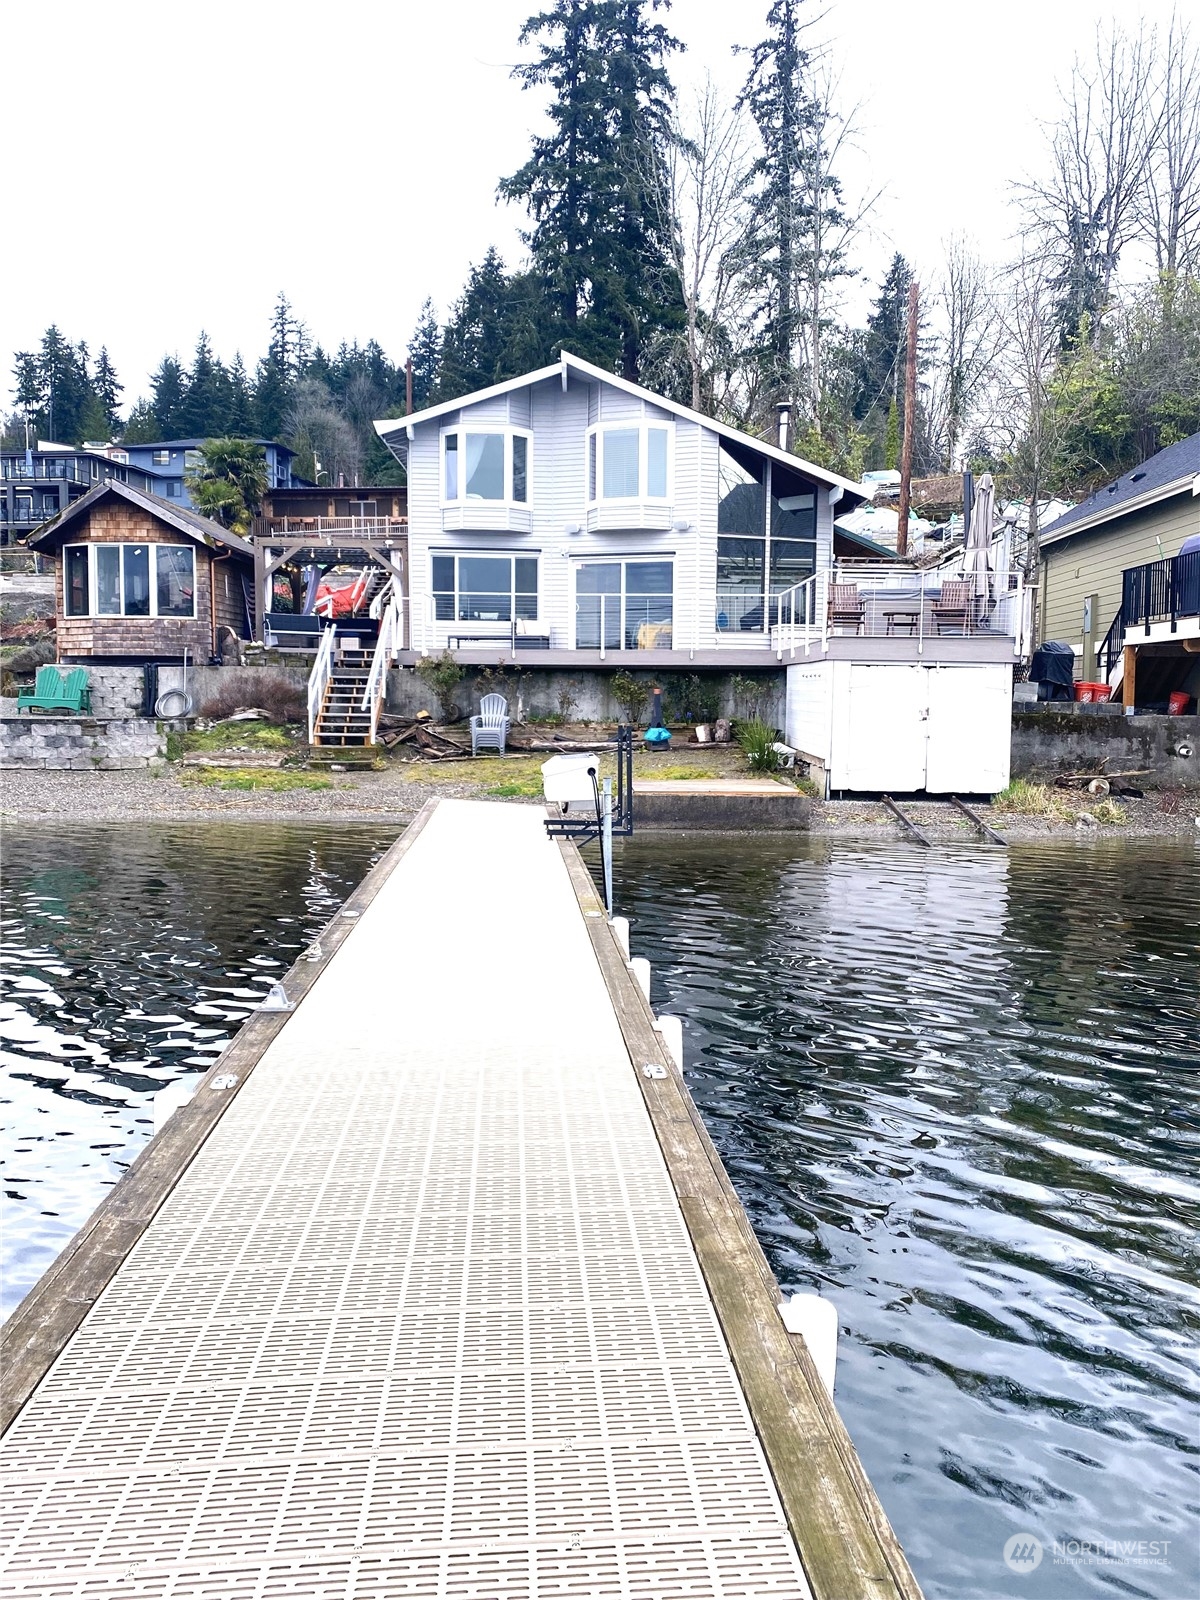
436	1288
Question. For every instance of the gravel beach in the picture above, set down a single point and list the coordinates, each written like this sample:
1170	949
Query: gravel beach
391	795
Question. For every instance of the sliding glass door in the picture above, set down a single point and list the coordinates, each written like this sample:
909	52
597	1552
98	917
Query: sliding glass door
624	605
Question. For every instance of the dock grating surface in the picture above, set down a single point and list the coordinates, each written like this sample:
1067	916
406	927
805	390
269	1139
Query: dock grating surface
423	1317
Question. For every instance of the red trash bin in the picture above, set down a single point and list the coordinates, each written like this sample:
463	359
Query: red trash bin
1177	703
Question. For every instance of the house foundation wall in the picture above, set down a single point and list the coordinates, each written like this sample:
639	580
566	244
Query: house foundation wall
81	744
543	693
1164	751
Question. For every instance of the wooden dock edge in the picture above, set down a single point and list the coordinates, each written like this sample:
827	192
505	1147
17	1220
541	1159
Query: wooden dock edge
846	1543
38	1330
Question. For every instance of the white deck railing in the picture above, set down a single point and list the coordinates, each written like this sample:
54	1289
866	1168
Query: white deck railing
319	679
387	647
896	602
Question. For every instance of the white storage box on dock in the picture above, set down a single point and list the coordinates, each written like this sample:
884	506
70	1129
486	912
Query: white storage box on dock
568	779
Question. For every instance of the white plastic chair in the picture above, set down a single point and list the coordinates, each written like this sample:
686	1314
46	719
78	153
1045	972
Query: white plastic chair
490	726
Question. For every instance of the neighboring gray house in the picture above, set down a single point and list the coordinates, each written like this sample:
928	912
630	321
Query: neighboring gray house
574	512
166	460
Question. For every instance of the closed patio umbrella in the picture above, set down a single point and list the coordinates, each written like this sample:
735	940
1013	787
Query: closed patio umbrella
979	537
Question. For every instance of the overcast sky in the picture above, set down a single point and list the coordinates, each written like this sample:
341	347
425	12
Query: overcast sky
187	163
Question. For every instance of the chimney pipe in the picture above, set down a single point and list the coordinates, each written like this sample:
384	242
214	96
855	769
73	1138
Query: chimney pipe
784	412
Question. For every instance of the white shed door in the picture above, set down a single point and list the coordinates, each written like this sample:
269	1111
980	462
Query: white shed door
885	743
970	729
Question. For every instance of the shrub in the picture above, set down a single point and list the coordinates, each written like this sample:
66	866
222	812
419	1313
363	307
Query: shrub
442	675
692	698
279	697
757	739
630	693
749	696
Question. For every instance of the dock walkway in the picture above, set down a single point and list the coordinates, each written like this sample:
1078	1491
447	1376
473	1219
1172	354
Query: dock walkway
423	1315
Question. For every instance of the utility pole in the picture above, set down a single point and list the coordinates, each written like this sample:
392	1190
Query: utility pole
910	417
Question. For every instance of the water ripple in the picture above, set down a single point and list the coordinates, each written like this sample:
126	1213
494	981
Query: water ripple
959	1092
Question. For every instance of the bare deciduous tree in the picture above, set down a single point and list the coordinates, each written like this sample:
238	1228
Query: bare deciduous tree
1024	418
709	173
965	305
1168	202
1086	210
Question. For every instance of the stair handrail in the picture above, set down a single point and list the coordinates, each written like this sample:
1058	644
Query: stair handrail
319	679
386	648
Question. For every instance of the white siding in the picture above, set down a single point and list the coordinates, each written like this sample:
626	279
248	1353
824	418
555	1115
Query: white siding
684	531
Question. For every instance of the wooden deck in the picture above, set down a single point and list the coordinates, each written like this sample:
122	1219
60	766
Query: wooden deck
437	1288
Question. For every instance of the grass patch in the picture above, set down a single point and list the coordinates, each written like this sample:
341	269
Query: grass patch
237	736
673	774
525	789
1109	812
1026	799
270	780
814	791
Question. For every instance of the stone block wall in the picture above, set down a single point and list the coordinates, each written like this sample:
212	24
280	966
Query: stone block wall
81	744
116	691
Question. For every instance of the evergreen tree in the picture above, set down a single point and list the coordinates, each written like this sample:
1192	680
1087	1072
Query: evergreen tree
776	96
595	185
242	422
497	330
881	371
279	369
141	426
168	389
204	412
425	353
65	388
108	391
27	389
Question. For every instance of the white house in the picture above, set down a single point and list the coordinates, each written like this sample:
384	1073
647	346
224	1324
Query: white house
571	518
573	512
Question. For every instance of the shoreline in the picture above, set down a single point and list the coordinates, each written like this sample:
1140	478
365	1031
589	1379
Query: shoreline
31	797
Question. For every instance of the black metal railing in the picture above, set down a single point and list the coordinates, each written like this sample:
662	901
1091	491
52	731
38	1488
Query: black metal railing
1161	591
1114	644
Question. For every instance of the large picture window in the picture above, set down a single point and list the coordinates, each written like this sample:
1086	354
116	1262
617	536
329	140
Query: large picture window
484	588
485	464
624	605
130	580
766	540
629	462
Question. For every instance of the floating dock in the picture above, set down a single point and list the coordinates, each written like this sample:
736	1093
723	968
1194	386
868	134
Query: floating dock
436	1288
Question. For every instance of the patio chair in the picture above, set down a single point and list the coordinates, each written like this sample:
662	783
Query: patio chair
57	691
953	607
845	606
490	726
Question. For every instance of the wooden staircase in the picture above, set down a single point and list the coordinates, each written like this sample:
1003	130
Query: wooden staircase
343	720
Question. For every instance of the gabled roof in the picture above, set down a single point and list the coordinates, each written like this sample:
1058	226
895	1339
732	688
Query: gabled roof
394	431
202	529
1172	471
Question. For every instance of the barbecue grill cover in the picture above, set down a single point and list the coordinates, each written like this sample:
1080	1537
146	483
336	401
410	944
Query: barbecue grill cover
1053	662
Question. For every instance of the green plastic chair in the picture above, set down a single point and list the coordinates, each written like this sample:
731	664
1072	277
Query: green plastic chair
57	691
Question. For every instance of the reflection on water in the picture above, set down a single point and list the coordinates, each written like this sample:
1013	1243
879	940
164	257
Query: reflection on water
958	1093
128	956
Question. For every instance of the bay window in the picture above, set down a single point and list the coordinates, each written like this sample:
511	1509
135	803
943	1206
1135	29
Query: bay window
629	461
130	580
485	464
484	588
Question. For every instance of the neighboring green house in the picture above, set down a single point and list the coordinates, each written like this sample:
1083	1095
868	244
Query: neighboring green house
1111	570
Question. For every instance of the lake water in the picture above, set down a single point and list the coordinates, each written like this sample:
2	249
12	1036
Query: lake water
958	1092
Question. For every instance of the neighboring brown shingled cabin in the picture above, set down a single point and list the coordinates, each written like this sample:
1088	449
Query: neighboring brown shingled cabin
137	579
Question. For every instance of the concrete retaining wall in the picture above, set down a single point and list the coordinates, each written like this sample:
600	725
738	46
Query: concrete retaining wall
1048	742
723	813
81	744
539	690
